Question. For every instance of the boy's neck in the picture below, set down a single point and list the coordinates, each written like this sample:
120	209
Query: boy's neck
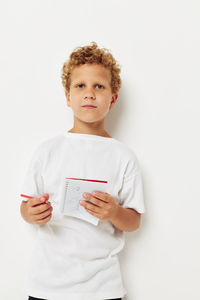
96	128
101	132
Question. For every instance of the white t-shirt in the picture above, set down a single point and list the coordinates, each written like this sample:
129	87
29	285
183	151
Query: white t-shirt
72	258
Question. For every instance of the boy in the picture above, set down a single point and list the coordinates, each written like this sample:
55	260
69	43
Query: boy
74	259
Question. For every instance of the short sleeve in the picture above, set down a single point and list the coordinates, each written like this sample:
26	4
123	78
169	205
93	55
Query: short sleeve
32	184
131	192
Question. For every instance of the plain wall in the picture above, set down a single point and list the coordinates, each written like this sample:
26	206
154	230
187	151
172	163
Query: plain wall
157	44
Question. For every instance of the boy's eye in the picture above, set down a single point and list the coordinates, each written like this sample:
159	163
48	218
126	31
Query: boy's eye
81	84
100	85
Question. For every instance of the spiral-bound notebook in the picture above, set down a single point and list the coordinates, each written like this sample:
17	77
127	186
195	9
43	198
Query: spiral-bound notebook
72	193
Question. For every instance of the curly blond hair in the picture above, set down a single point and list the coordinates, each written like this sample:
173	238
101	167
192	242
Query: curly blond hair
92	55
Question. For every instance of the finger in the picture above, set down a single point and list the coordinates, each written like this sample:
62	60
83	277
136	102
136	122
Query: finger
91	207
46	196
43	221
94	200
101	196
94	213
40	208
44	214
38	200
34	201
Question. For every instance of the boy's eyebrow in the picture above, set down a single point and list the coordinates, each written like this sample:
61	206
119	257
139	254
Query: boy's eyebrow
100	81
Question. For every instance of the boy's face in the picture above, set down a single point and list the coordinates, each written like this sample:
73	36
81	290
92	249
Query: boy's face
90	85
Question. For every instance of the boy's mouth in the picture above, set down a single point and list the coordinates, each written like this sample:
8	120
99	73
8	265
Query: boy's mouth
89	106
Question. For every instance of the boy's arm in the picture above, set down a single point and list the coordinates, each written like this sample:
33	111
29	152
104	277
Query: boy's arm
126	219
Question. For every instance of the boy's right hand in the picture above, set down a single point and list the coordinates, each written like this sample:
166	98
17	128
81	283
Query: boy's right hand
36	211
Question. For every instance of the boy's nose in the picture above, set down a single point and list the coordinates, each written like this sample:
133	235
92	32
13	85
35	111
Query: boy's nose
89	93
89	96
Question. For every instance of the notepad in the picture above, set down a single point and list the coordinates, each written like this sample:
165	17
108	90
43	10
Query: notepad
72	192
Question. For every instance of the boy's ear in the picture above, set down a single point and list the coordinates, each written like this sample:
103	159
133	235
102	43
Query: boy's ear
68	98
114	99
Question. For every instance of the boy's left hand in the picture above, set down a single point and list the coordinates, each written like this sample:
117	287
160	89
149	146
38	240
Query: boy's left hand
104	205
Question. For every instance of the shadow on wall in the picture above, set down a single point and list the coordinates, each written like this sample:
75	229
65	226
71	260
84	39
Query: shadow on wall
114	118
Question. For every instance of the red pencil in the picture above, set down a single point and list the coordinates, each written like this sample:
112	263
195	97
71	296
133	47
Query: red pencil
26	196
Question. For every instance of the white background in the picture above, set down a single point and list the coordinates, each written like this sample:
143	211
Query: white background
157	44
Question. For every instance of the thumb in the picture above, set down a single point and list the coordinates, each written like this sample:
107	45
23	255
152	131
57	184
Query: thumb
46	196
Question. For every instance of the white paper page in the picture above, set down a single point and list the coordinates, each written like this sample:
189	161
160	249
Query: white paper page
72	191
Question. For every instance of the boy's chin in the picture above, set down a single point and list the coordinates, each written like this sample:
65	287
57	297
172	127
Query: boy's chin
89	117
